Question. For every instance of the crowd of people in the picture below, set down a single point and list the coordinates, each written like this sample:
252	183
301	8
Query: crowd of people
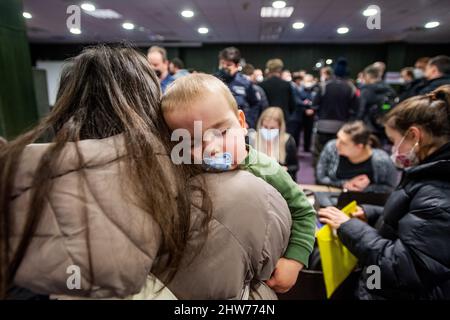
105	194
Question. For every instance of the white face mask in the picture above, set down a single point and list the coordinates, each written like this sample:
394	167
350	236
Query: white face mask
269	134
418	73
259	78
404	160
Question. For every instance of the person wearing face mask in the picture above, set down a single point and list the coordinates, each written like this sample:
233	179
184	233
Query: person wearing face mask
255	76
271	138
418	81
408	239
437	74
242	89
157	57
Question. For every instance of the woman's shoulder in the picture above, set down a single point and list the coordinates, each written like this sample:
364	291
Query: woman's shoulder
379	155
247	203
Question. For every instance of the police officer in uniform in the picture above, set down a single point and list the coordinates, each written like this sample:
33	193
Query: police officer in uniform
241	88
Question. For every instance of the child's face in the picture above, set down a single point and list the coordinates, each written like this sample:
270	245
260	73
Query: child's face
222	130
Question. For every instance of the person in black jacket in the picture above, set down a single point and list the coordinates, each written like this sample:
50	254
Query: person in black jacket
272	139
376	98
410	243
437	73
241	88
278	91
335	104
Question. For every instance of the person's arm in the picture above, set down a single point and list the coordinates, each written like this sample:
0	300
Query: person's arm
291	157
317	100
264	102
393	257
372	213
362	104
292	103
328	162
254	104
354	105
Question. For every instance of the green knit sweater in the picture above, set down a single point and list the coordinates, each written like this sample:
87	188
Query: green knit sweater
302	237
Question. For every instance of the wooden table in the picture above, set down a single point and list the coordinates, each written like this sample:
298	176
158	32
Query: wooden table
319	188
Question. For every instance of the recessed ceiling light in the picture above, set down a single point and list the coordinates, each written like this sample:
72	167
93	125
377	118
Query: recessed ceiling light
27	15
269	12
370	12
128	25
75	31
329	61
187	13
298	25
104	14
203	30
319	65
342	30
88	7
432	24
279	4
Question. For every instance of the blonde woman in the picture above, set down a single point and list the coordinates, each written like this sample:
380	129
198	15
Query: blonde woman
272	139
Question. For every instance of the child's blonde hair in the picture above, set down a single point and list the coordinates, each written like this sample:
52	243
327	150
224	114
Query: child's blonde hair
183	91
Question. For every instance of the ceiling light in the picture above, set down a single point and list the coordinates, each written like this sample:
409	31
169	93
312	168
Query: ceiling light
128	26
269	12
75	31
298	25
279	4
27	15
370	12
88	7
329	61
187	13
318	65
432	24
203	30
342	30
104	14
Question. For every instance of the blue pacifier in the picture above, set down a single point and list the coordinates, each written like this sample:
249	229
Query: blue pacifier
218	162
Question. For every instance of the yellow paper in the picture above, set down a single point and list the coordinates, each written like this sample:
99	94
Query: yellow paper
337	261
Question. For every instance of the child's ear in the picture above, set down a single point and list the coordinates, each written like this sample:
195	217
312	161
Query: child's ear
242	122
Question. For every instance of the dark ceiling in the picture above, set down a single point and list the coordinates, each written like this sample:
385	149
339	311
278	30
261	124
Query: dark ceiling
239	21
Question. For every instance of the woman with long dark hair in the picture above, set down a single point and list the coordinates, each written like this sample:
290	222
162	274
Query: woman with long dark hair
104	201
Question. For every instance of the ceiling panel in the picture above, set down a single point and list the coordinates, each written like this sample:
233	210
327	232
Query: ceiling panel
238	21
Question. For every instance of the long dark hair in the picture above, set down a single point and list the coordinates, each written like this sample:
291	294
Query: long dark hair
104	91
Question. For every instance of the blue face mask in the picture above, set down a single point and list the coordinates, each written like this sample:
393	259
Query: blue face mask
269	134
218	162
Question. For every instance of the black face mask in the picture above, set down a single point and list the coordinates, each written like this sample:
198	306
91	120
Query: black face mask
158	73
225	75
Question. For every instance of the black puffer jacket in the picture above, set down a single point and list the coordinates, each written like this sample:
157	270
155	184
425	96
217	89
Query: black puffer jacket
411	243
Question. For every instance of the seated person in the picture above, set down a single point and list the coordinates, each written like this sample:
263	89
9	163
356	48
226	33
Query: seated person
272	139
351	163
203	104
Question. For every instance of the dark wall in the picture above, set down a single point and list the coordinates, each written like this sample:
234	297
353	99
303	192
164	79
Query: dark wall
17	103
295	56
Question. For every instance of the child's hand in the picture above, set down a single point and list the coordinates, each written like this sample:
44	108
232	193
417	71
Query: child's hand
285	275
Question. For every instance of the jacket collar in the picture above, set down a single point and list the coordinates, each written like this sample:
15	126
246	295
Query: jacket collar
435	166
